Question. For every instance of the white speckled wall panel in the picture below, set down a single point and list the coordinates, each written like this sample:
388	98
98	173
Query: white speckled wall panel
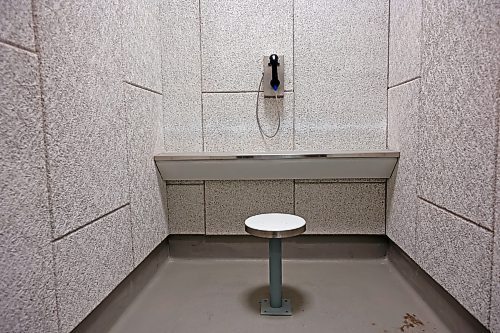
90	263
495	286
186	208
402	186
340	77
229	203
83	96
27	297
149	225
141	43
341	208
458	117
181	71
404	40
236	34
16	23
457	254
230	123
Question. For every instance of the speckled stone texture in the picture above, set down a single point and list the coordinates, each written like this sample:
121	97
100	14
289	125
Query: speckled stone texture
186	209
458	116
404	40
181	75
342	180
90	263
234	37
457	254
230	123
83	94
402	186
149	227
27	296
340	74
230	203
495	286
341	208
141	43
16	23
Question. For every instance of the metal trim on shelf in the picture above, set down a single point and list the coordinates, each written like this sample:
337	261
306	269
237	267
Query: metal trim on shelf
277	165
273	156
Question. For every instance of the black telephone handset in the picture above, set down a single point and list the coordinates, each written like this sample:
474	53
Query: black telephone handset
273	61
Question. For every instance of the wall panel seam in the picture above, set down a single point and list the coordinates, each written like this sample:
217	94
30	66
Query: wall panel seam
387	76
455	214
90	223
239	91
17	46
496	202
142	87
293	82
205	206
201	86
51	222
405	82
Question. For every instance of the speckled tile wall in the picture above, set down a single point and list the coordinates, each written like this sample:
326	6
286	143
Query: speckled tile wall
181	75
100	83
339	206
340	74
27	297
442	117
81	119
402	186
335	58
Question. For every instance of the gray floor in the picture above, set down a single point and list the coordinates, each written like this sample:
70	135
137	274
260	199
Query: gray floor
327	296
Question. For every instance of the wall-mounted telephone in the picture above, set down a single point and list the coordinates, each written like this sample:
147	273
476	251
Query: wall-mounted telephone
273	76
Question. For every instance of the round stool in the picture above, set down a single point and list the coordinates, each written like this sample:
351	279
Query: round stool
275	227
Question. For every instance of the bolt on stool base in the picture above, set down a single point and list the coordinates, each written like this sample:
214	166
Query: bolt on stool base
267	310
275	227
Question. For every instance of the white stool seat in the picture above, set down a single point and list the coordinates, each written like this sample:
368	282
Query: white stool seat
275	225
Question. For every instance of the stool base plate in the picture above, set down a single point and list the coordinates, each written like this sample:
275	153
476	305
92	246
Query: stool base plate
267	310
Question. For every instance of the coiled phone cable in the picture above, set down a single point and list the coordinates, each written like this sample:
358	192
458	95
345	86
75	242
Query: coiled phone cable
257	113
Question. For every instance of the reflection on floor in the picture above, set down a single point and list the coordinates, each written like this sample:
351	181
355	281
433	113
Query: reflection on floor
344	296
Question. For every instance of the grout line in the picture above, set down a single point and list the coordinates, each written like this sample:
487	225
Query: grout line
293	82
141	87
18	46
128	157
385	210
293	195
496	202
322	182
89	223
201	83
127	128
416	225
416	228
240	92
132	245
205	206
455	214
404	82
421	37
387	77
36	37
163	84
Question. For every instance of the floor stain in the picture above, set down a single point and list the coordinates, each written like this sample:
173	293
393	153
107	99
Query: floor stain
410	320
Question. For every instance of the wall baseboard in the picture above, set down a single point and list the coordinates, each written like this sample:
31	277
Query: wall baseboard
449	310
102	318
301	247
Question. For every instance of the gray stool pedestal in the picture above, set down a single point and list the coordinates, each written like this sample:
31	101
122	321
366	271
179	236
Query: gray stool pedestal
275	226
